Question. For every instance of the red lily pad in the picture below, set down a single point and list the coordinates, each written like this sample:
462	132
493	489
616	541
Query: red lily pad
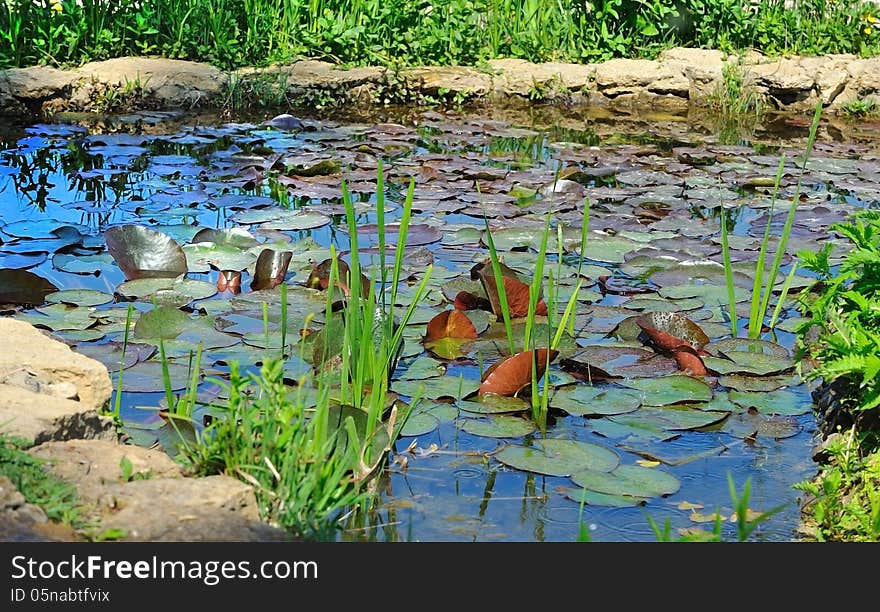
669	331
511	374
450	324
516	291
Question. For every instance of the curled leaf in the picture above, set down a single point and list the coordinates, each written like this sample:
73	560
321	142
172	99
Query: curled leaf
450	324
271	268
511	374
142	252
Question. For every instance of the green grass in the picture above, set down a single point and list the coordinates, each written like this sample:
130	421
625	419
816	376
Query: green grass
56	497
764	287
310	450
231	34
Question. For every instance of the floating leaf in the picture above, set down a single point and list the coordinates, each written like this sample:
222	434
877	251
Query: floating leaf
750	425
516	291
584	400
450	324
669	330
601	362
80	297
786	403
165	322
491	403
142	252
593	498
558	457
168	291
511	374
419	424
631	480
498	426
689	361
672	389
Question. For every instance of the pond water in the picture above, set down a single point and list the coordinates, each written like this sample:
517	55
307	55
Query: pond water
656	188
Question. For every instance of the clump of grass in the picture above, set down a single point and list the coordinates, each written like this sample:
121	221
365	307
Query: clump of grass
861	108
844	504
763	288
310	450
28	474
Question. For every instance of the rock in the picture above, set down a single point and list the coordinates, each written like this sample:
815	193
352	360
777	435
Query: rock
166	83
10	497
213	508
460	80
701	67
91	464
784	82
24	522
39	418
28	349
34	85
307	80
517	77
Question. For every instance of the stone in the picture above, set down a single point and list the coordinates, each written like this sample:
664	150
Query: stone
25	348
703	68
168	83
38	417
619	77
213	508
517	77
453	80
33	85
784	82
91	464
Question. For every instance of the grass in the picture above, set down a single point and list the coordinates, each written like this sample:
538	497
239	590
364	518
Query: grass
311	450
28	474
763	288
232	34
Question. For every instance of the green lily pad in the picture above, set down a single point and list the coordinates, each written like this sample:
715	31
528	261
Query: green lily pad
584	400
754	425
187	289
679	417
729	346
758	364
673	389
492	403
449	348
147	377
498	426
419	423
79	297
593	498
784	403
220	256
631	480
759	383
59	317
634	429
422	368
164	322
437	387
558	457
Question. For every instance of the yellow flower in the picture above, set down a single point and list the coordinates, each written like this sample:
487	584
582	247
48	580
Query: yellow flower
56	6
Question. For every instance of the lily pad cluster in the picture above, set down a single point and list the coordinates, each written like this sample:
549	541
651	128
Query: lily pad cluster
190	235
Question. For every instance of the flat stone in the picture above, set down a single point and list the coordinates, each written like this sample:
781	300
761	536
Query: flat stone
213	508
169	83
91	464
517	77
40	418
25	348
35	83
632	76
451	79
703	68
10	497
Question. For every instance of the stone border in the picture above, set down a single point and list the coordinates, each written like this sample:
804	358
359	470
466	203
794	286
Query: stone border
678	79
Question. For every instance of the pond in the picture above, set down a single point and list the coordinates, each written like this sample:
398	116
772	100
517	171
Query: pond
655	188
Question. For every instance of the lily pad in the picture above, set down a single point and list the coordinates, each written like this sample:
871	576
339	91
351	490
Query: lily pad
437	387
498	426
593	498
558	457
584	400
142	252
631	480
170	291
753	425
147	377
79	297
672	389
419	423
491	403
785	403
